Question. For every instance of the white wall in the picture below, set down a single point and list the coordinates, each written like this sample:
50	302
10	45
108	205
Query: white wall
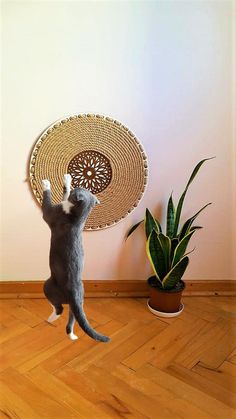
165	69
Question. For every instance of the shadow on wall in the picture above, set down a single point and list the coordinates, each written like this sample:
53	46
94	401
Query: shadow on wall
132	261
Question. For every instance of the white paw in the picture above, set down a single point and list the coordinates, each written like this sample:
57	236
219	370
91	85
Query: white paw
67	179
53	317
72	336
46	185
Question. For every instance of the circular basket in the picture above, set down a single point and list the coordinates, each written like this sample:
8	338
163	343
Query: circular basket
101	155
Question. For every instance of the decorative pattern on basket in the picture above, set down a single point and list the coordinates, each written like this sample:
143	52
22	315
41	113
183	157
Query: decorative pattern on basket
90	170
101	155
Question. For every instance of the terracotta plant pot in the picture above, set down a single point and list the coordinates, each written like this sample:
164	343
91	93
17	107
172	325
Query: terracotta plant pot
166	301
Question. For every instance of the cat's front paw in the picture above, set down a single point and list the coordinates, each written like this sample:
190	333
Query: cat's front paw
67	179
46	185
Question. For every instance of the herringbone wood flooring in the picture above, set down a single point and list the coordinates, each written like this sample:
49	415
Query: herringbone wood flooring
170	368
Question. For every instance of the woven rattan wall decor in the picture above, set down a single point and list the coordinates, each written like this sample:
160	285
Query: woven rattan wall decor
101	155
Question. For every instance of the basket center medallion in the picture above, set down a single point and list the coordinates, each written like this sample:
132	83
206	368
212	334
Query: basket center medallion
90	170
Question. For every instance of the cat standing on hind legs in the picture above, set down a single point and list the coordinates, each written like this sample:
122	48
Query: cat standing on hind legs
66	221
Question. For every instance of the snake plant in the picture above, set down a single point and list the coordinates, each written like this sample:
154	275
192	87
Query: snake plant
167	252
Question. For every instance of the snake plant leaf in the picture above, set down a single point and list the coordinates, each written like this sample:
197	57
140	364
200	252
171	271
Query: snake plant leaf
181	248
170	222
150	223
195	228
191	251
159	225
155	255
133	228
174	244
181	200
187	225
175	274
166	246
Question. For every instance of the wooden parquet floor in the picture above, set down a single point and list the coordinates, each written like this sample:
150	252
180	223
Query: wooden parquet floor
170	368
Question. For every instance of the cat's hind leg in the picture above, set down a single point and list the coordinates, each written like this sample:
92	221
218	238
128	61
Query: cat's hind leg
53	294
70	326
56	313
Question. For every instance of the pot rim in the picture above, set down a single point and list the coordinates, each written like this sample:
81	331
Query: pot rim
171	291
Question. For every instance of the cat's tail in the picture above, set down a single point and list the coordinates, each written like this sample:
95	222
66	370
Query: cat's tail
78	311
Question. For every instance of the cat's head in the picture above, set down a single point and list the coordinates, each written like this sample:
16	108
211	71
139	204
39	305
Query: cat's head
83	197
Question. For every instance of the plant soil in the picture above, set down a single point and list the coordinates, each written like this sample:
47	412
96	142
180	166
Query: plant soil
154	283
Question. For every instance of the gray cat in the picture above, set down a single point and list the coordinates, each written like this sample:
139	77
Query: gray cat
66	221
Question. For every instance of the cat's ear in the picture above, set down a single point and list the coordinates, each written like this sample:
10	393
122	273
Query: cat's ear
78	197
95	200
